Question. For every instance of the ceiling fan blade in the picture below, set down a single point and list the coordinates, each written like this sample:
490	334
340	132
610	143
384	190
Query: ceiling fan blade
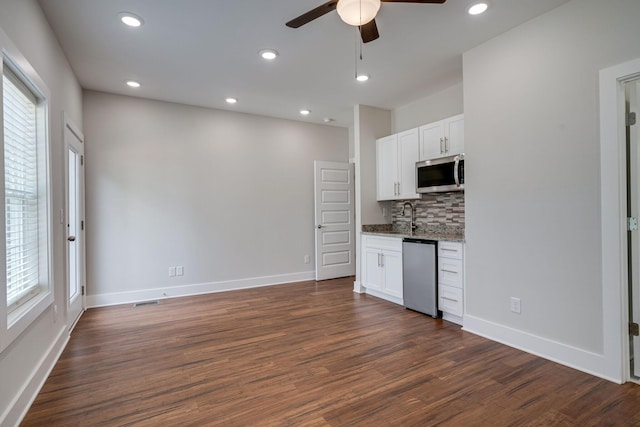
369	31
414	1
305	18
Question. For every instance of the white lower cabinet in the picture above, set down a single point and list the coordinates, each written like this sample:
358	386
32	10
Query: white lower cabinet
451	280
382	267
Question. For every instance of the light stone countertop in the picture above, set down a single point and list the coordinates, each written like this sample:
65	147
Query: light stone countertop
431	232
449	237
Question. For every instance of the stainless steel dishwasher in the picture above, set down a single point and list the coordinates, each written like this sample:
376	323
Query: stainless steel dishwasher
420	276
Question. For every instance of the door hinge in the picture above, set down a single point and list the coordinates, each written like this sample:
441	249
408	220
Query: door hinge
83	290
82	225
634	330
632	223
631	119
81	160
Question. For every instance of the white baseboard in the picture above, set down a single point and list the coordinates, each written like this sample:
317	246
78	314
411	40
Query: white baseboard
357	287
19	406
573	357
115	298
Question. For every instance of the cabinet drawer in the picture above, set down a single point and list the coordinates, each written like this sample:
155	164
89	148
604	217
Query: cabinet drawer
450	299
450	250
378	242
450	272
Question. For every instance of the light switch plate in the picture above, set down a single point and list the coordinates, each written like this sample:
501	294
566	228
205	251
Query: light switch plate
172	272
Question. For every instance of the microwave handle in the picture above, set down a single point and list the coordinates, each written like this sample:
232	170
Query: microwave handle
456	168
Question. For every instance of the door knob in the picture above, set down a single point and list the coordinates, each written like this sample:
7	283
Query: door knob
319	226
71	238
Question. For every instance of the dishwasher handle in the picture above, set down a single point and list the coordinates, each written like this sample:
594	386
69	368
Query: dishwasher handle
415	240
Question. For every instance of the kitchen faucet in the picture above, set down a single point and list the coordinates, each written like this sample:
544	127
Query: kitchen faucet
413	215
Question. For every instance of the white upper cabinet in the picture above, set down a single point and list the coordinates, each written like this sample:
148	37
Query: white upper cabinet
387	167
396	163
442	138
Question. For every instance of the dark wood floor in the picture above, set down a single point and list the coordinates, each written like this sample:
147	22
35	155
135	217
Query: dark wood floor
308	354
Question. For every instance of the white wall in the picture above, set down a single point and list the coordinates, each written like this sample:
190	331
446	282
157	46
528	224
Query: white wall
370	123
533	182
25	363
446	103
227	196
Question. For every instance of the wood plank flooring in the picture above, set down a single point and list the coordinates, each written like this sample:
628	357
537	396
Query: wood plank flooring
308	354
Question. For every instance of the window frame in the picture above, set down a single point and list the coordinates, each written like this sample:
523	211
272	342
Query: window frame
15	320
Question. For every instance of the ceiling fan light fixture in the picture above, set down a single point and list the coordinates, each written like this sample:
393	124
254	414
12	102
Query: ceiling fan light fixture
358	12
478	8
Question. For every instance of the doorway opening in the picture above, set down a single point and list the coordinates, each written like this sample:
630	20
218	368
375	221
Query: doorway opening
74	224
632	141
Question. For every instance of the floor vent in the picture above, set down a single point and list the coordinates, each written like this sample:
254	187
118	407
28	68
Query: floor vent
142	304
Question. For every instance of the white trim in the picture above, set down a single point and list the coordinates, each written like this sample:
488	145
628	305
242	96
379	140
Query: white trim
12	326
115	298
23	400
583	360
613	214
358	287
384	296
458	320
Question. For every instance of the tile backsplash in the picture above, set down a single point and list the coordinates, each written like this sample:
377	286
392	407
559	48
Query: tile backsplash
434	210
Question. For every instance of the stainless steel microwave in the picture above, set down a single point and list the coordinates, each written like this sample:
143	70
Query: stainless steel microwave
438	175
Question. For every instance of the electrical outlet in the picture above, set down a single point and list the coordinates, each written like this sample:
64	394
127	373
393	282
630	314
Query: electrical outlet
172	272
179	270
515	305
307	259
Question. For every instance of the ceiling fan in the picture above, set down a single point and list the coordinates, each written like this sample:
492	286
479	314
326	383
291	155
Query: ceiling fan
359	13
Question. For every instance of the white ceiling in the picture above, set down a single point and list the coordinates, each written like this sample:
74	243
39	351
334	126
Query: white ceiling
199	52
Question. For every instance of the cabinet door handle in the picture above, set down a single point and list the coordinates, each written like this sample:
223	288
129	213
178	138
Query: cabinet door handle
381	260
441	150
446	140
448	250
378	259
449	299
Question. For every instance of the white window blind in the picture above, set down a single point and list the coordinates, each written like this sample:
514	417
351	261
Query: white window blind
21	188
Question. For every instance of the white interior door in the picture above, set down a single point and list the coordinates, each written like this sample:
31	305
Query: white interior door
633	92
74	162
334	220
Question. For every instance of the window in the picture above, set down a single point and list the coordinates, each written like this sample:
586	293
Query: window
20	190
25	183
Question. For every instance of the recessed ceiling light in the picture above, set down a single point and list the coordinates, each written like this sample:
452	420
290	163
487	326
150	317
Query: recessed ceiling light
132	83
328	120
362	77
231	100
478	8
130	19
269	54
305	112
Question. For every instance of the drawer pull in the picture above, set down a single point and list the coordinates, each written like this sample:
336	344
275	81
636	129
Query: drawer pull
448	271
450	250
449	299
